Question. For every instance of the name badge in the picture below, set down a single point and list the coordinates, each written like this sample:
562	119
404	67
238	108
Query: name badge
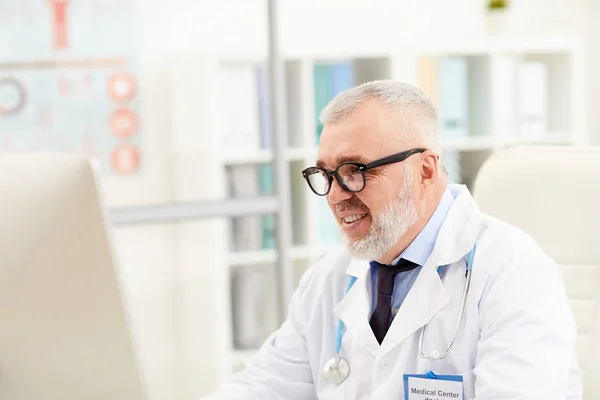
433	387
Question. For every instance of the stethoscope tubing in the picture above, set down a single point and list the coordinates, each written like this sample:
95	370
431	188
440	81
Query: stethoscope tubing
435	355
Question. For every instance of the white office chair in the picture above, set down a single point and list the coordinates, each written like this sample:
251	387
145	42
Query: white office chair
553	193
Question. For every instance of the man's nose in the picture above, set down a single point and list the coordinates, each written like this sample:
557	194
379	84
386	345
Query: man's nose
337	193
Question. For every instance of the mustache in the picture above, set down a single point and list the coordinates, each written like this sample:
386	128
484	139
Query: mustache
351	204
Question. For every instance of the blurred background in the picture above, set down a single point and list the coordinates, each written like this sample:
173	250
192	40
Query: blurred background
174	100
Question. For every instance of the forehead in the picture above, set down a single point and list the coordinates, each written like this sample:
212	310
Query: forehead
364	135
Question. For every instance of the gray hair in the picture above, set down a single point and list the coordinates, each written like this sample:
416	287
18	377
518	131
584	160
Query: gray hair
398	97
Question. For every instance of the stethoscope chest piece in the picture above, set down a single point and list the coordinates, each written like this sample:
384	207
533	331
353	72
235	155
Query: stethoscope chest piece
336	370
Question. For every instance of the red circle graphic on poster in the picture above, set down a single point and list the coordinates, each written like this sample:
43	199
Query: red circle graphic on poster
121	87
125	159
123	123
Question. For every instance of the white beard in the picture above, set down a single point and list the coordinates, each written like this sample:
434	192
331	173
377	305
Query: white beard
388	226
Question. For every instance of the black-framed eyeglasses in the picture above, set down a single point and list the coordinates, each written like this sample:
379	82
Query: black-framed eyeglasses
350	175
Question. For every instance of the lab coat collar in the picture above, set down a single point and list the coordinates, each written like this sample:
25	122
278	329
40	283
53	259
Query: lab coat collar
459	230
357	268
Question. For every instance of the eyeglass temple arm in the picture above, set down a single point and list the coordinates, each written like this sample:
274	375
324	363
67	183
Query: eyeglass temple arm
393	158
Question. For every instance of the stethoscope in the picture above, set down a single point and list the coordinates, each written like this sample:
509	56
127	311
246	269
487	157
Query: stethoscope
337	370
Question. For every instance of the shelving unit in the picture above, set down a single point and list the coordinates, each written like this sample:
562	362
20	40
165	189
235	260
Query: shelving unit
491	98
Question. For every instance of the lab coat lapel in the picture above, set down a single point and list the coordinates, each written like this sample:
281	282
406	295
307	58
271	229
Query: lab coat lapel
426	297
355	307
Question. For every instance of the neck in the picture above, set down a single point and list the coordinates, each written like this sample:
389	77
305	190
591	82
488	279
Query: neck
425	209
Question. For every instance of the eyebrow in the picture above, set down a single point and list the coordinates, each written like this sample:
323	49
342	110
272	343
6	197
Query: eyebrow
343	159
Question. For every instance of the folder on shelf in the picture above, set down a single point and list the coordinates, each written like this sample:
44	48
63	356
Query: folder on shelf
505	98
323	93
330	80
246	230
342	77
454	102
267	187
532	94
248	286
428	78
266	131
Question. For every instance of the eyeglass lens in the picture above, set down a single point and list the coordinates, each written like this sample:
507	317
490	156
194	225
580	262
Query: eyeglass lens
349	174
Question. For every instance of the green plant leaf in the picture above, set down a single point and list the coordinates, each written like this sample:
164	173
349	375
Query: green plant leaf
496	4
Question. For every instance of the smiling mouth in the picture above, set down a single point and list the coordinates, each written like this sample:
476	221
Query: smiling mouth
353	218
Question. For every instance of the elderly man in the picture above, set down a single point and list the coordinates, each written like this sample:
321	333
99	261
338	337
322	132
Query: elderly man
429	298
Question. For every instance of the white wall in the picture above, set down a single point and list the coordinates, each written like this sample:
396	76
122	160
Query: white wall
170	270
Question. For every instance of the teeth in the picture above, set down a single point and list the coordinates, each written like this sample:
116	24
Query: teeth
352	218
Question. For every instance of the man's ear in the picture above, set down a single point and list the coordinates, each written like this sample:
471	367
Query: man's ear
430	165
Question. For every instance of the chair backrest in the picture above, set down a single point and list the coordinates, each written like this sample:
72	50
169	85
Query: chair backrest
553	194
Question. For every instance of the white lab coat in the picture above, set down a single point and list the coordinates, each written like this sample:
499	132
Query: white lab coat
516	340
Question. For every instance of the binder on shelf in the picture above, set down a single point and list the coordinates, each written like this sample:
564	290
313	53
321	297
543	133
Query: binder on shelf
505	98
267	187
532	95
323	94
266	131
330	79
454	102
254	305
246	231
428	78
248	301
342	77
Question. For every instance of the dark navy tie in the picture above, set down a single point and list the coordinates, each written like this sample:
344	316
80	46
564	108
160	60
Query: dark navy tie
385	286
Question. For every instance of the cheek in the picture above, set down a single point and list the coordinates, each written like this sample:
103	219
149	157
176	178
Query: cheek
378	197
371	200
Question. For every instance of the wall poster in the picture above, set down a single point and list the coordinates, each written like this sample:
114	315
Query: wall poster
68	80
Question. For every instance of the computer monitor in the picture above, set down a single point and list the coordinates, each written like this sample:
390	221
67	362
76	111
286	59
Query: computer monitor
64	329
